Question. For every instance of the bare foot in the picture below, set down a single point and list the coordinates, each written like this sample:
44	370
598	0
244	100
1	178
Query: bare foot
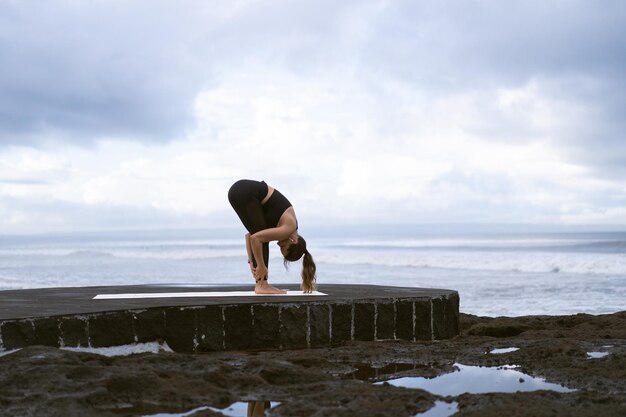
266	288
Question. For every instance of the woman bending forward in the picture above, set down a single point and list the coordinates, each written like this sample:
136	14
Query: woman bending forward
269	216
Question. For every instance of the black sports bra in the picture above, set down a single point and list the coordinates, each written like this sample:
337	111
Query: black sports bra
275	207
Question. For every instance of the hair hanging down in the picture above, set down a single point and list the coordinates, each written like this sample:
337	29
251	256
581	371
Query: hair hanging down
295	252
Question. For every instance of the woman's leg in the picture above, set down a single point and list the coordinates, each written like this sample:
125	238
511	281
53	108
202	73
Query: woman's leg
244	197
257	223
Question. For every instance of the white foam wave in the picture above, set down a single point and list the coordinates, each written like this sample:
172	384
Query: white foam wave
478	260
461	242
126	253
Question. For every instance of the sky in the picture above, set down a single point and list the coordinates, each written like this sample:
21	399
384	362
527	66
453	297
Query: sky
140	114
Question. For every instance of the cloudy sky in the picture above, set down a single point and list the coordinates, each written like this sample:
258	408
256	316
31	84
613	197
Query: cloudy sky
118	114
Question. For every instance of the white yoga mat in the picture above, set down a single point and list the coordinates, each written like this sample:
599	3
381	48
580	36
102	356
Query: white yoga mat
201	294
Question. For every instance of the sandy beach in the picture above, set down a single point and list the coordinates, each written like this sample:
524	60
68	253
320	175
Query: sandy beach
355	379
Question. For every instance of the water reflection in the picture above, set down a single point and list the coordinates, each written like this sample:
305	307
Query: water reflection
238	409
602	352
441	409
500	351
478	380
258	408
365	371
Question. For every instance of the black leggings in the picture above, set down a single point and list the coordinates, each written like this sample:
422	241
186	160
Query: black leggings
245	196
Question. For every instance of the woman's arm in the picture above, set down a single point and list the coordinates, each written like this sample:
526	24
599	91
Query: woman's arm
250	256
256	245
274	233
266	235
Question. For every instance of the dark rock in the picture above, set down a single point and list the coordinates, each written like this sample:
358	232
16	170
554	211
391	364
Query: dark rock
423	322
238	327
293	326
74	331
111	329
45	381
210	333
47	331
180	329
439	322
149	325
404	320
385	321
341	317
17	334
496	330
319	324
364	321
451	315
266	328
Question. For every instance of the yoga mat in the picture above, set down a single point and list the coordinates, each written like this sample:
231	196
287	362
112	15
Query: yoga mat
201	294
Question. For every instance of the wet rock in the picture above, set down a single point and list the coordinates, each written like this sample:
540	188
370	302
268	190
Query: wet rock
47	381
498	330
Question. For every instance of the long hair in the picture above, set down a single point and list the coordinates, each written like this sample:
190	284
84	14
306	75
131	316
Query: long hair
296	251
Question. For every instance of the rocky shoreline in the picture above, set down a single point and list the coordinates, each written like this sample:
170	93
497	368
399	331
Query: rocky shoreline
338	381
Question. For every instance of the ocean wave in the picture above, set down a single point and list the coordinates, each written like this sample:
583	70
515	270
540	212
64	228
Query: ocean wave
583	256
495	245
453	242
88	254
181	255
175	252
489	261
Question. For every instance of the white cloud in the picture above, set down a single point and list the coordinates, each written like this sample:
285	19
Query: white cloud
358	111
322	141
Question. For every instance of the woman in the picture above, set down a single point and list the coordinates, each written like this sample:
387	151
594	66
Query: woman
268	216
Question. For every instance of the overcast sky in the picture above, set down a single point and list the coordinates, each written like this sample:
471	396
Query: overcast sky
141	114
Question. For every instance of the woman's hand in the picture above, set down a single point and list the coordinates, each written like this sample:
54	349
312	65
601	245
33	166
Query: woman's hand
260	272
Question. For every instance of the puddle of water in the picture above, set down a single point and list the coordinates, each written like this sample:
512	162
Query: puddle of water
124	350
478	380
185	414
8	352
503	350
596	355
441	409
368	372
238	409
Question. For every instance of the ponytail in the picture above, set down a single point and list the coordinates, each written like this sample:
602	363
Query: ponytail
308	273
296	251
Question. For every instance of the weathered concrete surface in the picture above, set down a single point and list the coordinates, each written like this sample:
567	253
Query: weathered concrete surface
70	317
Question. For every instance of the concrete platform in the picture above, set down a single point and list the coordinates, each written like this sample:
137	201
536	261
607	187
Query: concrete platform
71	317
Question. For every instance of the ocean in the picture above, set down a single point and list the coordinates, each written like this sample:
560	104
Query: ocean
511	274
